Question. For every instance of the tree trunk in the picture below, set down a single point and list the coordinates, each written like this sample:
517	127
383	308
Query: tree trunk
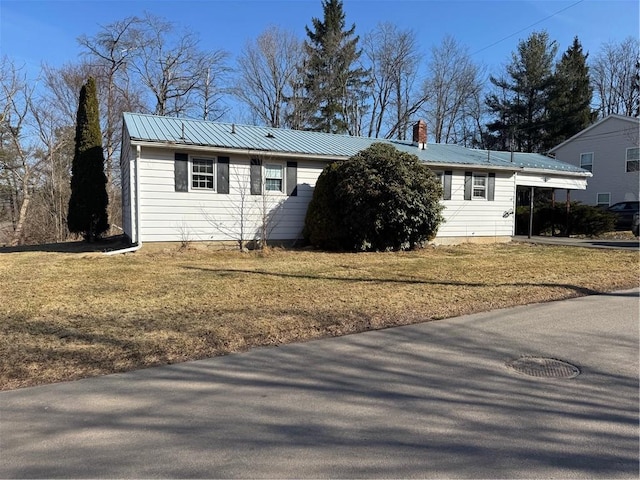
22	216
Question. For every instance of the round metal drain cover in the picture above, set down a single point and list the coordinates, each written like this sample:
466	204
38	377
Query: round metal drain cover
544	367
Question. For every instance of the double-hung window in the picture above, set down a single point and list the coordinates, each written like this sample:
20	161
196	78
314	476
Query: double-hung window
479	191
633	159
273	177
586	161
202	173
603	199
479	186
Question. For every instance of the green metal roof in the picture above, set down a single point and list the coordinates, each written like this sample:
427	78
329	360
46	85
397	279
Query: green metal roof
191	132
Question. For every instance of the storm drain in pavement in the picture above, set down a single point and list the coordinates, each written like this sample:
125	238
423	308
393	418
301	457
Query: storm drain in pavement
544	367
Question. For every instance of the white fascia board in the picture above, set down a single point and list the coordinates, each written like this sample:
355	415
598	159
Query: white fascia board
244	151
538	179
559	173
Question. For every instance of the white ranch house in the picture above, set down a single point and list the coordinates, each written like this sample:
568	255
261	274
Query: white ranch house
194	180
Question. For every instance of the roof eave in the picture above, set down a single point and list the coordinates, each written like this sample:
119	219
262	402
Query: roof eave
551	171
330	158
590	127
231	150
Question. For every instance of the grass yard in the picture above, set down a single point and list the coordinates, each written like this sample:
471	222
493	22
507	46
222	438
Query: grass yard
65	316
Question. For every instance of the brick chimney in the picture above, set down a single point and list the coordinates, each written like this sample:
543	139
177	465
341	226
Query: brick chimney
420	134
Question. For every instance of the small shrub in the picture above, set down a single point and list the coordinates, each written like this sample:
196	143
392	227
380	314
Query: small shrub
550	220
590	220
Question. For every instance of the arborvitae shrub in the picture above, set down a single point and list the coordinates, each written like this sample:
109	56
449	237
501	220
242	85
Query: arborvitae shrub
88	203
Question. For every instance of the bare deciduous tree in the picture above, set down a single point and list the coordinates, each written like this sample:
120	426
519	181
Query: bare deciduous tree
19	165
394	60
172	66
453	83
267	68
61	87
109	52
56	140
210	90
614	72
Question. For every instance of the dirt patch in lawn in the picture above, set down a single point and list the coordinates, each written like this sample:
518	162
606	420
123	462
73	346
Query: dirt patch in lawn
66	316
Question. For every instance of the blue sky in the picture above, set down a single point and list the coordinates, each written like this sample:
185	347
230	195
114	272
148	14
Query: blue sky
37	31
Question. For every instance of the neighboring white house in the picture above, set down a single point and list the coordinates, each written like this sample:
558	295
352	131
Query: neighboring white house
195	180
610	150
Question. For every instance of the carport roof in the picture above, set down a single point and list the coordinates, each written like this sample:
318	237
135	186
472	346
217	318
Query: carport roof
255	139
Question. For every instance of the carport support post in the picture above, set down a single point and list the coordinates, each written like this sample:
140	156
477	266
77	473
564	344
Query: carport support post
568	212
531	212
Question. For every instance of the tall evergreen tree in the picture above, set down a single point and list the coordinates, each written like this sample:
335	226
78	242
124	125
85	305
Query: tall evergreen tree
571	95
88	202
521	105
333	85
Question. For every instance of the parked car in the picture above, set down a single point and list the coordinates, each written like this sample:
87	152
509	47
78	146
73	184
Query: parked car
635	225
624	212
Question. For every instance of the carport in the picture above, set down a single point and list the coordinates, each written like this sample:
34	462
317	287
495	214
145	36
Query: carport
532	180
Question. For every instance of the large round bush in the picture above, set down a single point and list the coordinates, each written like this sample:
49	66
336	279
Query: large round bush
379	199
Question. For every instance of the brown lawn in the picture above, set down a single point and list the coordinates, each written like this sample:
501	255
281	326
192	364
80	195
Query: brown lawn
65	316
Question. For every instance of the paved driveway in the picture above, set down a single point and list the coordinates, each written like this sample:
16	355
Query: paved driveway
429	400
633	244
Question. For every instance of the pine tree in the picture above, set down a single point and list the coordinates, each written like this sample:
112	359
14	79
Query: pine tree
571	95
333	87
88	202
522	106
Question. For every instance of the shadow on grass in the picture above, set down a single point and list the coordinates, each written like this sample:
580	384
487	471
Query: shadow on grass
409	281
433	400
106	244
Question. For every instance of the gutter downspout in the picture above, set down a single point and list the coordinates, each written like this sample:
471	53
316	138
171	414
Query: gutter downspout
138	242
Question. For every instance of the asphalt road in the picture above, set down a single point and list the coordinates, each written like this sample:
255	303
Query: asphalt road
633	244
429	400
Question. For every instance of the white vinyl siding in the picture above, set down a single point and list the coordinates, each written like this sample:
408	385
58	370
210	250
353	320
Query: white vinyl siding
198	215
464	218
126	156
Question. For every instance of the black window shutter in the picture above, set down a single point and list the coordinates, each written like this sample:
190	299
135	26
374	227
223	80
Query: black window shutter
223	175
468	182
181	172
256	177
491	187
292	178
447	185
